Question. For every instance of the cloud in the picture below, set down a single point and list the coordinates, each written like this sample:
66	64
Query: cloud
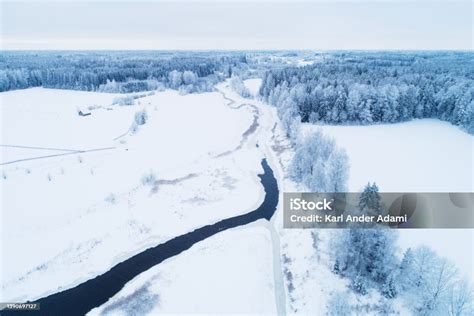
264	24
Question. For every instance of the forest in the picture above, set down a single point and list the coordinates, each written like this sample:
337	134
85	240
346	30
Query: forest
116	71
375	87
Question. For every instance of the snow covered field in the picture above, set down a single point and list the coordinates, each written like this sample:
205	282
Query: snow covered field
86	211
34	116
417	156
229	273
253	85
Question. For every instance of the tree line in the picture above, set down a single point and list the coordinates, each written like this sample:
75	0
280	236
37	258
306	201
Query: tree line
116	71
369	88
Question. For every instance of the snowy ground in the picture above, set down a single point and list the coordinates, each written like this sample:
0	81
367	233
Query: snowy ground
85	212
34	116
253	85
418	156
230	272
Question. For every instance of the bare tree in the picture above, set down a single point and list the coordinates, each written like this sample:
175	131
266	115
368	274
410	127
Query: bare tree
432	278
460	302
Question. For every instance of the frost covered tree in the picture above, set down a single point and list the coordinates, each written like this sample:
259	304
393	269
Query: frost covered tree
189	77
433	279
110	86
338	304
238	86
335	268
426	283
366	254
389	289
319	164
339	111
407	101
370	199
175	79
338	170
290	119
121	72
405	278
369	88
354	102
461	299
358	285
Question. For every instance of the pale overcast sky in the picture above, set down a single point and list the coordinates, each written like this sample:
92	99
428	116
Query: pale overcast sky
258	24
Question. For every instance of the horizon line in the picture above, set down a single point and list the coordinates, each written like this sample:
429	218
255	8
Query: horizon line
239	50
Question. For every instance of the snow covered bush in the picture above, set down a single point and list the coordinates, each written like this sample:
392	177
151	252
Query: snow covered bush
112	86
111	198
149	179
127	100
140	118
130	99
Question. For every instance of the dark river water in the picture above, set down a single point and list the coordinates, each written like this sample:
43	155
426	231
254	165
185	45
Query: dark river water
95	292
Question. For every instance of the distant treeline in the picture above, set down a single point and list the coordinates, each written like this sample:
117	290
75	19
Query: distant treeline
116	71
367	88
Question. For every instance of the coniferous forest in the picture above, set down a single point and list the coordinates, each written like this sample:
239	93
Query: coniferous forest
367	88
114	71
